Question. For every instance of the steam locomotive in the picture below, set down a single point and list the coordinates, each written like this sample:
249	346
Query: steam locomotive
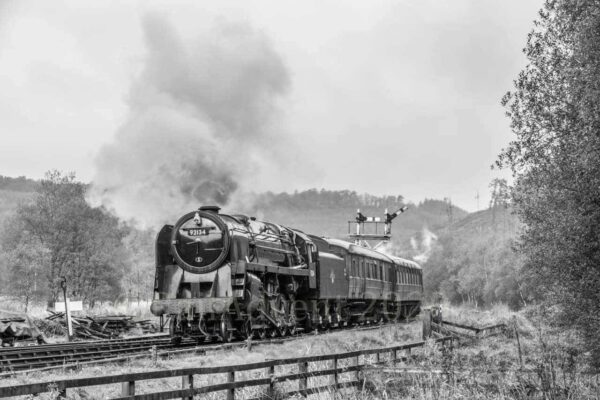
222	276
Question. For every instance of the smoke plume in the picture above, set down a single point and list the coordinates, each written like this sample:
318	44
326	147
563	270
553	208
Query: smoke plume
422	244
200	120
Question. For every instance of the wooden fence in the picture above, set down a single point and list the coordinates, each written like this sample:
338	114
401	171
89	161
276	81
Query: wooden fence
334	369
479	332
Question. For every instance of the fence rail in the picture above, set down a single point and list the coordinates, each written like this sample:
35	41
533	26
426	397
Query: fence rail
479	332
188	390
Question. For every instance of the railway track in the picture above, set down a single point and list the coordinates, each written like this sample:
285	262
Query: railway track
71	355
14	359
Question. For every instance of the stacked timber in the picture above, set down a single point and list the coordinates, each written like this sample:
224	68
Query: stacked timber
103	327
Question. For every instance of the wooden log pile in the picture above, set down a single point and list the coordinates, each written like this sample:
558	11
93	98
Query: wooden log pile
103	327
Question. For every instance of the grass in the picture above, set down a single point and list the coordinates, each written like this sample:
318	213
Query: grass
332	342
490	368
476	317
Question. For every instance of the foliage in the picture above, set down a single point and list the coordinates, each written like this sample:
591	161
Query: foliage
472	261
138	280
27	262
78	242
555	114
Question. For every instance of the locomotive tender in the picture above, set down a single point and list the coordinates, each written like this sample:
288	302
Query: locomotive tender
222	276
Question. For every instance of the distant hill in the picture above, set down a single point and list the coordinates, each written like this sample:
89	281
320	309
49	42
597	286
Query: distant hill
472	260
320	212
326	213
20	184
14	191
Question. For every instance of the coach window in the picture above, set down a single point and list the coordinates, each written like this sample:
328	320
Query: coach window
353	269
362	269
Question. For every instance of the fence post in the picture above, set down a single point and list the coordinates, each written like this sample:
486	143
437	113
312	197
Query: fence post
394	356
231	379
354	363
303	382
271	373
426	316
335	374
187	382
377	358
128	388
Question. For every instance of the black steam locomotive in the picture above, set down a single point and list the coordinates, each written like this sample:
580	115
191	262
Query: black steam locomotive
226	276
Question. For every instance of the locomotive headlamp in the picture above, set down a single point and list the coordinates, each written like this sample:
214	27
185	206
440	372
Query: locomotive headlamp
197	219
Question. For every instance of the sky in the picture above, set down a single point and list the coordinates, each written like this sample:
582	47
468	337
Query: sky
385	97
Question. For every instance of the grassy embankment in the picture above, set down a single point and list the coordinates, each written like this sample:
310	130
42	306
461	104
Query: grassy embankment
549	366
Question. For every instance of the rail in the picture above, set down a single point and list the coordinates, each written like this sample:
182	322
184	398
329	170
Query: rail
188	390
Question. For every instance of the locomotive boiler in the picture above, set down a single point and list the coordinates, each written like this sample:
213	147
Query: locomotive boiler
225	276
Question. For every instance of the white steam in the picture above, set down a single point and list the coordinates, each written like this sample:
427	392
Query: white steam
422	243
200	120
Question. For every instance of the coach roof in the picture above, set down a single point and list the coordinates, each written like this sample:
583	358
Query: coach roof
366	252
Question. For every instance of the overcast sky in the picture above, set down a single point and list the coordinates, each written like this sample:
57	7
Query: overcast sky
385	97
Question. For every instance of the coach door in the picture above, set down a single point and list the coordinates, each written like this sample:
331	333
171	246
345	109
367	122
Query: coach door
393	279
353	274
363	278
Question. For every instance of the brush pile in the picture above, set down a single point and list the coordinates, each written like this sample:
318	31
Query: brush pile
102	327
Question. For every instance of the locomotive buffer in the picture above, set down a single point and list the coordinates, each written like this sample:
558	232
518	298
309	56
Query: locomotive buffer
373	229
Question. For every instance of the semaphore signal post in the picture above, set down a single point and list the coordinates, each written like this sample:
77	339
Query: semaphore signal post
373	229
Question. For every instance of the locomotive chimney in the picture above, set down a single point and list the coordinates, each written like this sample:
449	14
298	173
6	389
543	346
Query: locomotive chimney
210	209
